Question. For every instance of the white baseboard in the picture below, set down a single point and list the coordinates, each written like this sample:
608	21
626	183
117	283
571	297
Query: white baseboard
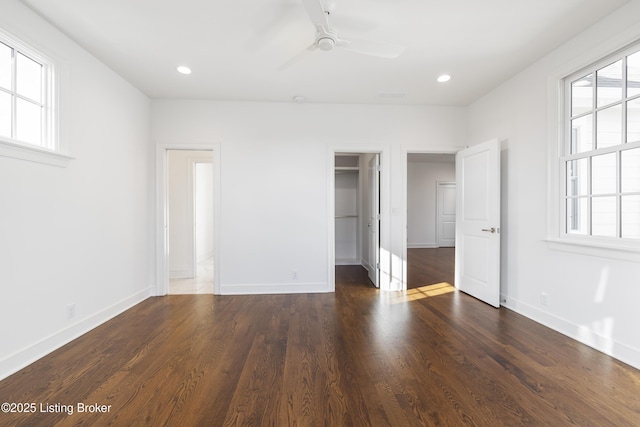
269	289
22	358
580	333
421	246
348	261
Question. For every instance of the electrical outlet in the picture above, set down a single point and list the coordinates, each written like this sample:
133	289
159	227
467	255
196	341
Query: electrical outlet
294	275
71	311
544	298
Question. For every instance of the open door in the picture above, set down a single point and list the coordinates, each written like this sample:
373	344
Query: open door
478	222
373	172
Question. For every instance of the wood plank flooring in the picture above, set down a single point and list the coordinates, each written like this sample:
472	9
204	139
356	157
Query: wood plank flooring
430	356
428	266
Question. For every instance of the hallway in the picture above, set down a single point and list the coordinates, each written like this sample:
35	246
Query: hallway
201	284
428	266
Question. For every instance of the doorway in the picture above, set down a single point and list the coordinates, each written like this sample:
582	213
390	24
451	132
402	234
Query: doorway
430	219
190	221
187	221
356	220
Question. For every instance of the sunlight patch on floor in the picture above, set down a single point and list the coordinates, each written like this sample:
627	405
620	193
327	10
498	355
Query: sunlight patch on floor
423	292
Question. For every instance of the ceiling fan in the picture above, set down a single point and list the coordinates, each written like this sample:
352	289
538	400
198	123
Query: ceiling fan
327	38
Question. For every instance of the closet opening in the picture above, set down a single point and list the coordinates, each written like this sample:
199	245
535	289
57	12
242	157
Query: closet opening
357	213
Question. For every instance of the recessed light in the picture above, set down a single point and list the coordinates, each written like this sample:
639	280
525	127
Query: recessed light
184	70
444	78
299	99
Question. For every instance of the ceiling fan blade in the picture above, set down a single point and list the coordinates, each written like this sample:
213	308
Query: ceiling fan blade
298	57
315	10
378	49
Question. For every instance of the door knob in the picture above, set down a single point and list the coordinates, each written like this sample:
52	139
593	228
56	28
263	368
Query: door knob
490	230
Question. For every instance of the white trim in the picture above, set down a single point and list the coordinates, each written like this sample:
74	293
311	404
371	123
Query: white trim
22	358
348	261
162	262
53	71
33	153
622	249
595	247
422	246
580	333
270	289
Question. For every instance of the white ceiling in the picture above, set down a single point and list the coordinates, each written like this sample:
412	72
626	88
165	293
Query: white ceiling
237	48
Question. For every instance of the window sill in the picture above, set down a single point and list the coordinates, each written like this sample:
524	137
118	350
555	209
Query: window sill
630	252
33	154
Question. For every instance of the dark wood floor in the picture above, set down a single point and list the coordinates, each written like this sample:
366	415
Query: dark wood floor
428	266
428	356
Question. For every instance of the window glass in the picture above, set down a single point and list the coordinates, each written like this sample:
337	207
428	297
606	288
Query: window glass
5	115
28	122
603	216
603	174
28	78
27	100
577	216
631	217
577	177
601	153
582	134
609	80
633	120
633	74
5	66
609	127
631	171
582	95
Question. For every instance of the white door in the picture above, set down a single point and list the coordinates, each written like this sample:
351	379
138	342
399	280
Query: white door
446	213
373	175
478	222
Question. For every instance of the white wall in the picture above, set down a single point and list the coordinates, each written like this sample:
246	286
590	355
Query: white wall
422	178
590	298
80	235
76	235
274	178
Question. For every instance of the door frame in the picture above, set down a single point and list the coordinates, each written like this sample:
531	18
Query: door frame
162	248
385	210
373	170
404	153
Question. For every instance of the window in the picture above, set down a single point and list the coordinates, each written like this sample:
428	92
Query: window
28	103
600	157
